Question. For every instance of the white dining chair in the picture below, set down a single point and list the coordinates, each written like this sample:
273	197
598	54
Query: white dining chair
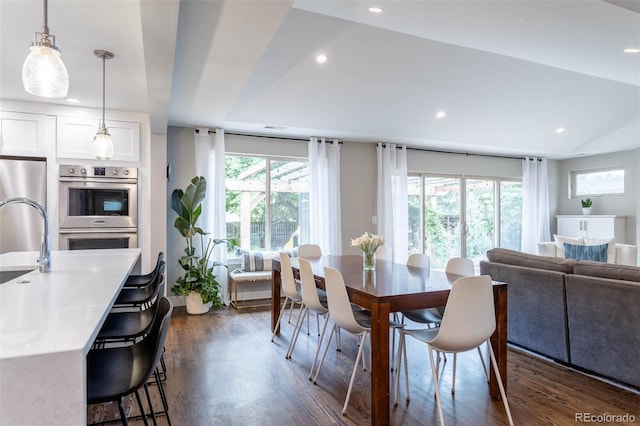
433	316
312	303
309	250
292	295
467	323
356	322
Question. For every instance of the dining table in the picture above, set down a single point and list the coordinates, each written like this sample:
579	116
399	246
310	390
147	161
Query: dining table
394	287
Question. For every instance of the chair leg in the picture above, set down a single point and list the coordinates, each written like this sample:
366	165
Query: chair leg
502	392
324	354
315	358
434	373
296	331
153	414
453	379
142	413
284	306
484	366
402	355
123	415
353	374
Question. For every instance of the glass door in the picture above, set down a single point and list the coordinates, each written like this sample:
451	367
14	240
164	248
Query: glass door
479	228
442	224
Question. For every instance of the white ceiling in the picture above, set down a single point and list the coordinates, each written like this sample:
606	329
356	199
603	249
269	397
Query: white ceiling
507	72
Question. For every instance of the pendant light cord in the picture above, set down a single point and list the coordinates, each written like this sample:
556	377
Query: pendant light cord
103	87
45	29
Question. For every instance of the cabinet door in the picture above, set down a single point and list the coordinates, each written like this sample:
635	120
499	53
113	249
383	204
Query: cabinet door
600	227
22	134
75	138
571	227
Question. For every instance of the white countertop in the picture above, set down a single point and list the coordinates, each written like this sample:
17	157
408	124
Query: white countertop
62	310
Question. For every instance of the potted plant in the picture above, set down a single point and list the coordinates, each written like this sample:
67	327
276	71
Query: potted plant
586	206
198	282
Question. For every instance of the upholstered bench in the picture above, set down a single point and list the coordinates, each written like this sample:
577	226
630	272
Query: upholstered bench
239	278
254	276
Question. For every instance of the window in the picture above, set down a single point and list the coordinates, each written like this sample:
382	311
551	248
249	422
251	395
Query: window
267	201
454	215
597	182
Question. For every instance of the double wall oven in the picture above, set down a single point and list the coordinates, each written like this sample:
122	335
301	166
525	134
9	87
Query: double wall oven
98	207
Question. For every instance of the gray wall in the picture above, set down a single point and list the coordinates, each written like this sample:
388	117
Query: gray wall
181	160
622	205
359	170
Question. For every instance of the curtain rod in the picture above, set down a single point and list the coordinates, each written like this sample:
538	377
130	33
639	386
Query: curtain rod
291	138
470	153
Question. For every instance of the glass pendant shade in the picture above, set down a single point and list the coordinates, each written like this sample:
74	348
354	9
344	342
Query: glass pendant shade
102	144
44	73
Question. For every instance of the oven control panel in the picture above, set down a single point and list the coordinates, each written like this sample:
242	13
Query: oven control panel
69	170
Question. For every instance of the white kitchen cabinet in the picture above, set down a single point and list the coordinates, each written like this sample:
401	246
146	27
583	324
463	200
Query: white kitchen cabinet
593	226
75	138
22	134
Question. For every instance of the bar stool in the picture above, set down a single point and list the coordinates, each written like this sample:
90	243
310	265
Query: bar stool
113	373
142	297
134	281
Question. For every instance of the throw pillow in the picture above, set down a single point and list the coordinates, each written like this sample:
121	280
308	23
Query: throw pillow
611	251
560	243
581	252
255	261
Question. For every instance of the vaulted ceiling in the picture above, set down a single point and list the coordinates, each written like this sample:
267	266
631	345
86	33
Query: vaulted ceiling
508	73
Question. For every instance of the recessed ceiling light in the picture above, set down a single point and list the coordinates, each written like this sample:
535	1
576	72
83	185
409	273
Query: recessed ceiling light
73	100
632	50
376	9
560	130
441	114
321	59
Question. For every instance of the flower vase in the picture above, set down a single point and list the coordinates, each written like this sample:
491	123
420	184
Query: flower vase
368	261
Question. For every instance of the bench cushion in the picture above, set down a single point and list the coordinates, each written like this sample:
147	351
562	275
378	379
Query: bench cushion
241	276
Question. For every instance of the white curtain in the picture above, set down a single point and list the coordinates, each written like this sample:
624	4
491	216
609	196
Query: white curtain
535	204
324	195
210	160
393	201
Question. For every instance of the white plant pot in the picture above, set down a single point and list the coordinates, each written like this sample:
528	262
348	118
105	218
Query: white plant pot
195	305
586	210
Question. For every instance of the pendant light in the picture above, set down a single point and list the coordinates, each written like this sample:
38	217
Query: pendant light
43	72
102	143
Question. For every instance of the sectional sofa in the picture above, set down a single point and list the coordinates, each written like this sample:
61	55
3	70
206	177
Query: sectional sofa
580	313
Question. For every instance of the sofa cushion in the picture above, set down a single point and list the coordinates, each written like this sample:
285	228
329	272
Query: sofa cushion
517	258
579	252
560	241
607	270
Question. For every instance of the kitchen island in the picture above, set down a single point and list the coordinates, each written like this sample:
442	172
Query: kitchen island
48	322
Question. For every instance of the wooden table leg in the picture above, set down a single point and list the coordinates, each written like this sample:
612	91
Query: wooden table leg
276	282
380	364
499	341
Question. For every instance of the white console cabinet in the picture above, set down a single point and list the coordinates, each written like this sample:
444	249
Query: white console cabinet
22	134
593	226
75	138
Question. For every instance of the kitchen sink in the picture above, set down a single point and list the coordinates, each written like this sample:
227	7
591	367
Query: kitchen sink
9	275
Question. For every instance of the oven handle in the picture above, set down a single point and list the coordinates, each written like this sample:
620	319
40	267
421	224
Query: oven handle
98	230
105	180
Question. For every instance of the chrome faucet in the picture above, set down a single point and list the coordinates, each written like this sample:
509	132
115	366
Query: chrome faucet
44	261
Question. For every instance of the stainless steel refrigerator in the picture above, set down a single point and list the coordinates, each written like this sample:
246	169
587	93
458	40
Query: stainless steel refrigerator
21	226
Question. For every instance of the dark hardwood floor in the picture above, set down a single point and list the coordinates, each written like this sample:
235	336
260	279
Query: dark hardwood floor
223	369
